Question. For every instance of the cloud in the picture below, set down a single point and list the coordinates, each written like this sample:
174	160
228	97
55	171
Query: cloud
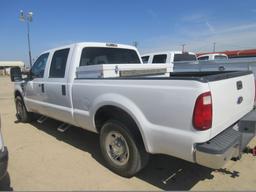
227	38
197	17
198	20
239	28
210	27
152	14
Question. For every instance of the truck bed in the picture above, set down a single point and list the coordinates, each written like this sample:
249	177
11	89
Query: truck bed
208	76
202	76
164	105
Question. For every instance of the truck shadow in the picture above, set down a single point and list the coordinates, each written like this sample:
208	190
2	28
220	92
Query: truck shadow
164	172
5	183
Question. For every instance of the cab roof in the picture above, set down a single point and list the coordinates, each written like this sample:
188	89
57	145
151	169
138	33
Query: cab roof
166	52
93	44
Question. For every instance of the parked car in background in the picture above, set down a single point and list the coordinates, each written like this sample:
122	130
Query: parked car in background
105	88
212	56
3	156
168	57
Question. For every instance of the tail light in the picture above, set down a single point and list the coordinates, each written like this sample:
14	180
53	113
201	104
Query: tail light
202	116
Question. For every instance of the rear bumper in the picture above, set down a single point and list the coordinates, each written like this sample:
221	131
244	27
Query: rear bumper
3	162
228	144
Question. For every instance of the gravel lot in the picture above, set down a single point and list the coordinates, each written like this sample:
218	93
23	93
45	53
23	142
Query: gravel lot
41	158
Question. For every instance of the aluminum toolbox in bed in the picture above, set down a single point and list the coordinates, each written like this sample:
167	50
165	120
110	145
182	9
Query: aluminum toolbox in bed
123	70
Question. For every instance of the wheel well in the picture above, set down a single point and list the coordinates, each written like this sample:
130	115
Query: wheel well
17	93
111	112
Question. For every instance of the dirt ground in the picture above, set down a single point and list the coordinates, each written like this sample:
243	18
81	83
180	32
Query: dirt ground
41	158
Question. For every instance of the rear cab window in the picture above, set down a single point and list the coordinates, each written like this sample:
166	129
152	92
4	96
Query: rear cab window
205	58
219	57
105	55
184	57
159	58
58	64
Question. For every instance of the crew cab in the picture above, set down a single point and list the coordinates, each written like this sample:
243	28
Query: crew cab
3	156
137	111
169	57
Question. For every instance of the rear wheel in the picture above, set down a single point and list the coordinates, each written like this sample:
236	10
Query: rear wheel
21	112
123	152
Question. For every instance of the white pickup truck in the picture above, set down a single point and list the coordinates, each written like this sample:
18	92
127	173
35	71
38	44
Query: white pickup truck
212	56
169	57
188	62
196	117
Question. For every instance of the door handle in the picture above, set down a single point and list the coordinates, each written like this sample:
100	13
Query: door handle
42	87
63	89
221	68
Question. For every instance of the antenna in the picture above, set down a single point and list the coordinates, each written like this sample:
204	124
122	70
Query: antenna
214	47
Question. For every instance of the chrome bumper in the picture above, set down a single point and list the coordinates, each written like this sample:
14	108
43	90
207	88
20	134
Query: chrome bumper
228	144
216	161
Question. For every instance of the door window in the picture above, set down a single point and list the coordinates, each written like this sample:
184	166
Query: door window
145	59
38	68
58	64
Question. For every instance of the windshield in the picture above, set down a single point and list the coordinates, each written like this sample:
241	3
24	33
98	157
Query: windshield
184	57
103	55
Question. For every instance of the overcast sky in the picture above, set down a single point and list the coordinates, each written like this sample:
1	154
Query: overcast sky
156	25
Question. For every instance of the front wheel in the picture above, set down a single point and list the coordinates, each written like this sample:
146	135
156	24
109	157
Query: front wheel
21	112
122	151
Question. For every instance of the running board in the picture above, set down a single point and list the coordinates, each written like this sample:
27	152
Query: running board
42	119
63	127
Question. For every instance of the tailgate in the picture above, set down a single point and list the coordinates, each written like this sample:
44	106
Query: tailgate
232	98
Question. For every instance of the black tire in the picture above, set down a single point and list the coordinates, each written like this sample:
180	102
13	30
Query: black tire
137	157
21	112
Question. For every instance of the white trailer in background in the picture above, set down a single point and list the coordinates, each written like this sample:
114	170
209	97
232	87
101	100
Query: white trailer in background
6	65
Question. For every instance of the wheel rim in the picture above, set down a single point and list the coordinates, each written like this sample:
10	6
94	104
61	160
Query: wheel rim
19	108
117	148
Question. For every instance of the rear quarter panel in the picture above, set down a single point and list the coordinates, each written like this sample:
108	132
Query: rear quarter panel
162	110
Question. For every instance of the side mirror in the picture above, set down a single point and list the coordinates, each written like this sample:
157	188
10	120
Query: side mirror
16	74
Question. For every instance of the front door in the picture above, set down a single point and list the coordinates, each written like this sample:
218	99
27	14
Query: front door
35	91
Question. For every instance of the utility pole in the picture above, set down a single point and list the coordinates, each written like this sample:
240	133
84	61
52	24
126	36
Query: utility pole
183	47
27	18
214	47
135	44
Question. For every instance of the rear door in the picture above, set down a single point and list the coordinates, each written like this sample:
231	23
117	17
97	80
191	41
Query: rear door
56	86
232	98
